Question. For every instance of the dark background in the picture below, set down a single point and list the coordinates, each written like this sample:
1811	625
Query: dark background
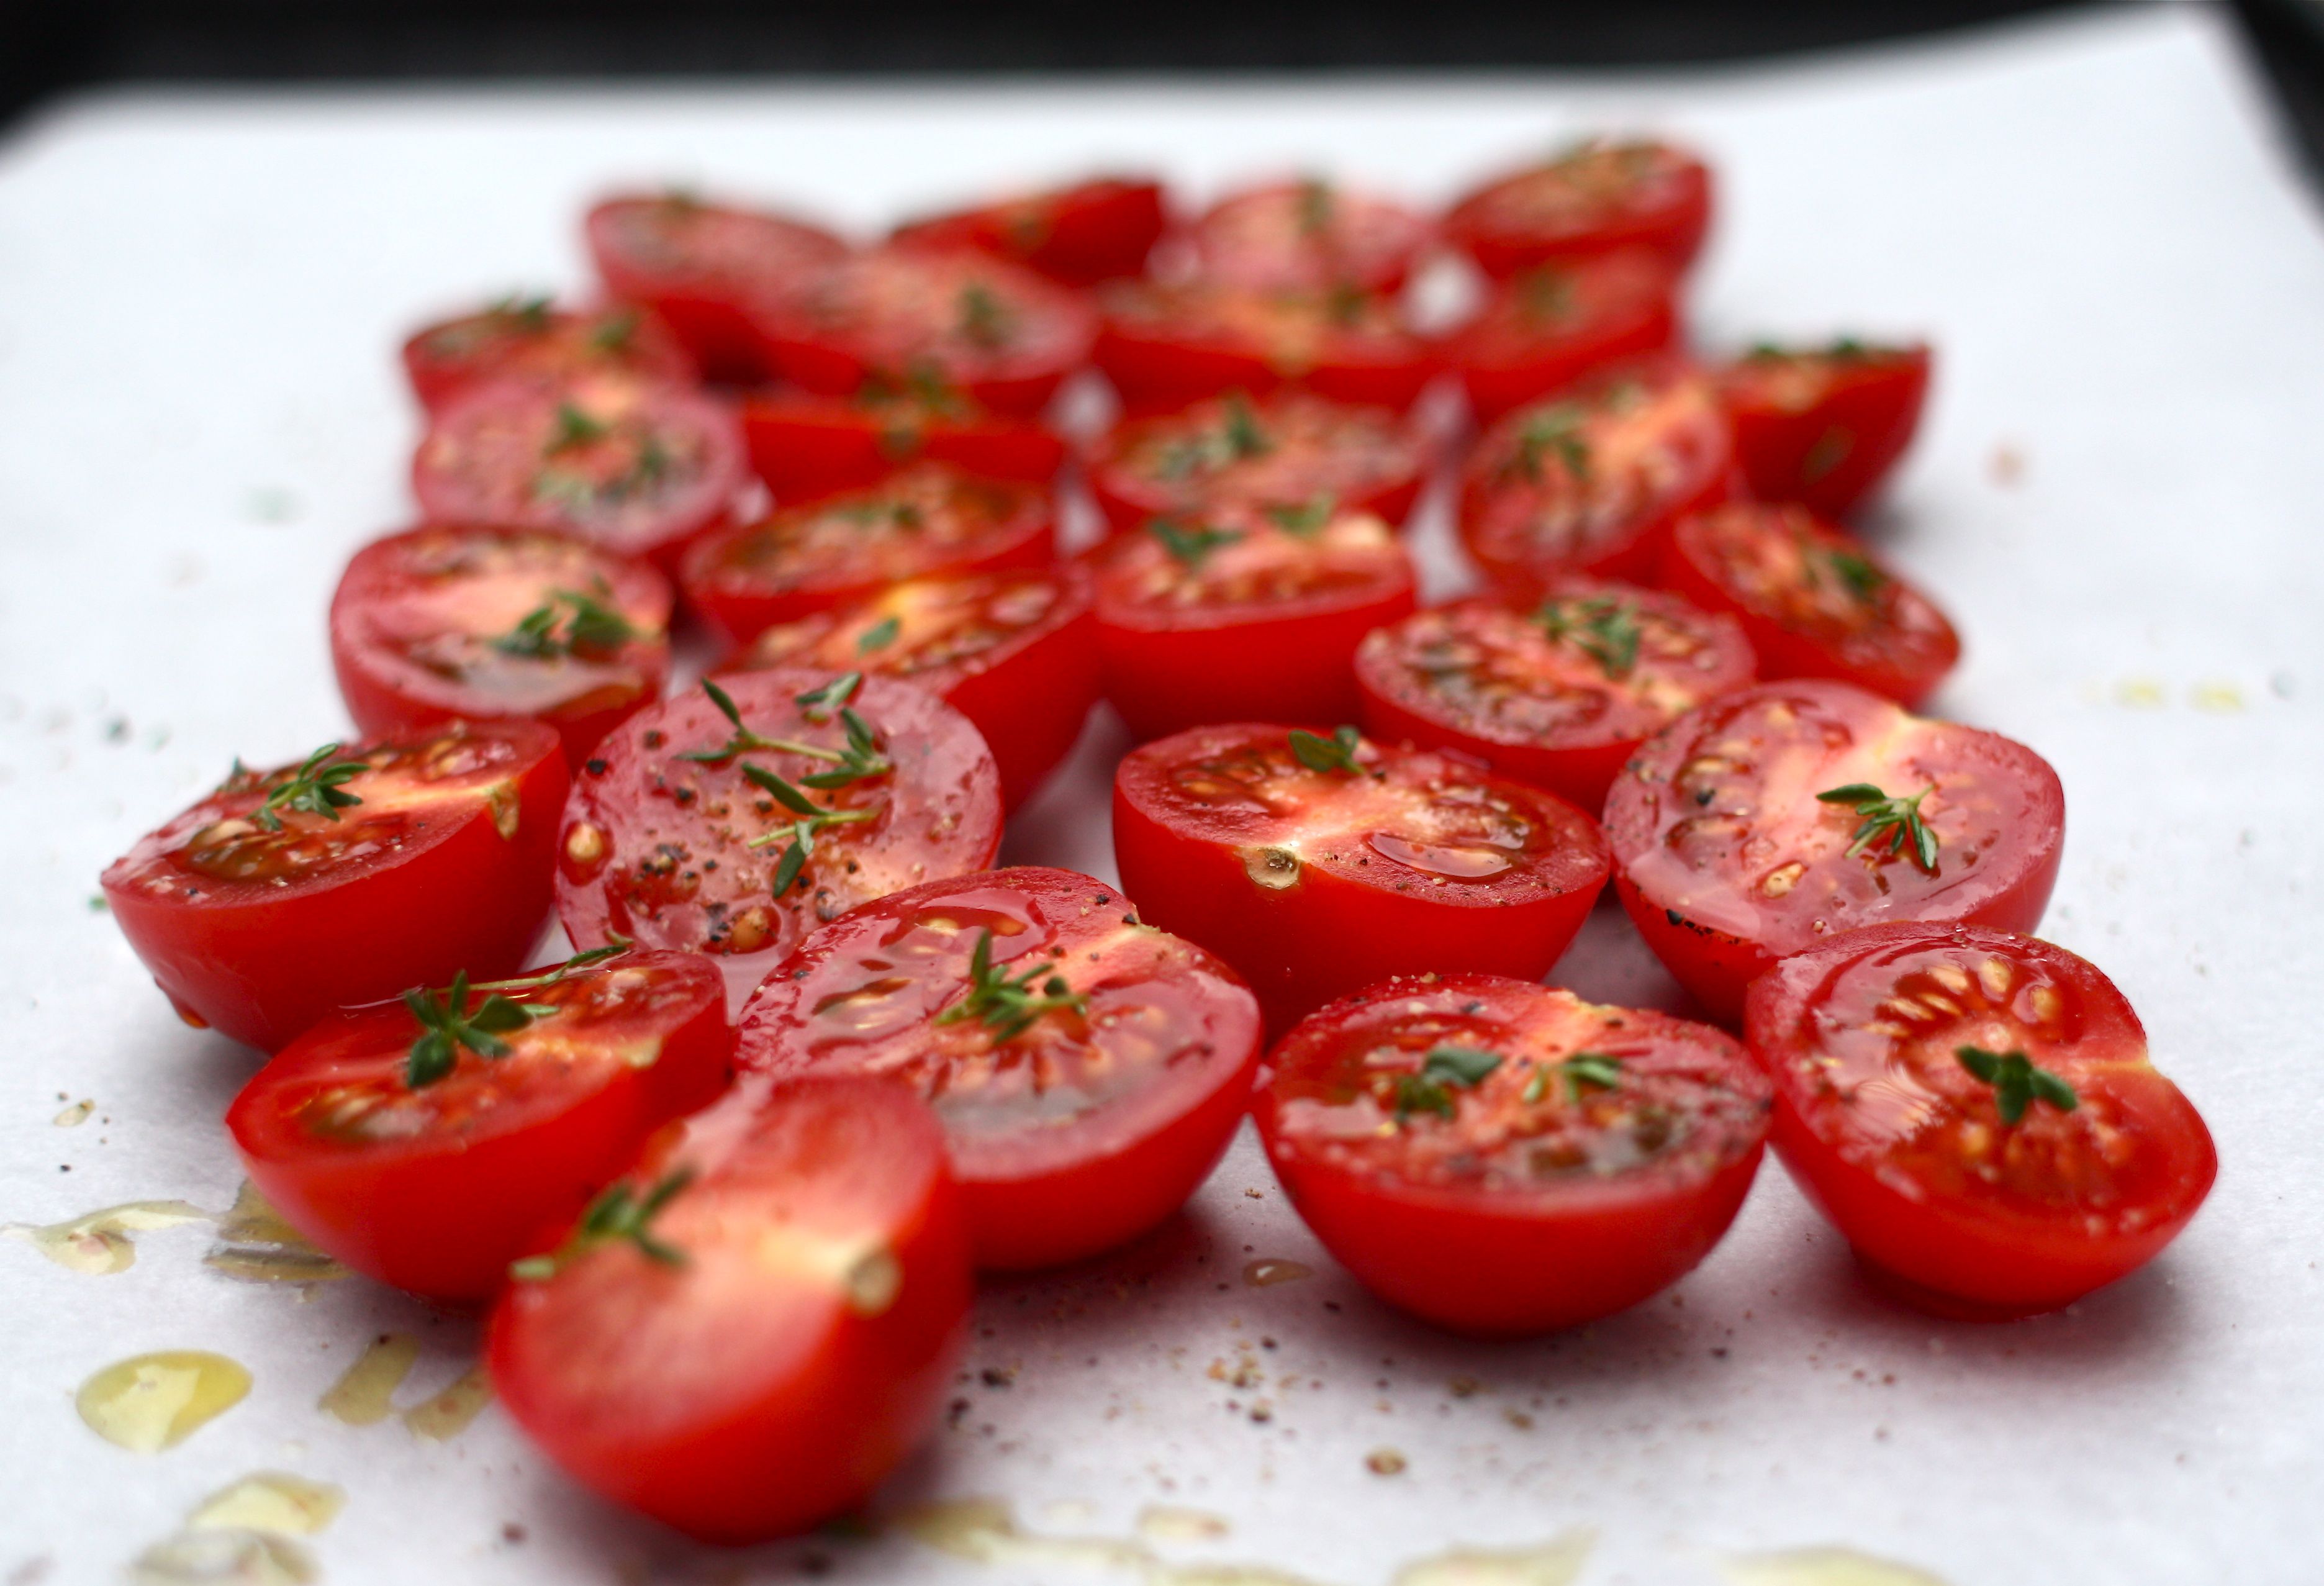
48	47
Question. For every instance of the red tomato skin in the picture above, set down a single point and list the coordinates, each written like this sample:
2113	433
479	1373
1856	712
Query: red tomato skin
1159	367
816	1437
443	1217
1078	236
806	446
1503	366
702	309
1296	259
1675	229
1926	1249
1323	938
649	353
263	970
384	697
1717	966
1029	1216
1878	407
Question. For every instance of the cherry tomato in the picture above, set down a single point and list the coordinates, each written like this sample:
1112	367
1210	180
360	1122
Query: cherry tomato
1556	323
1003	335
1164	347
1293	451
1976	1111
806	446
1813	603
528	339
1014	652
700	266
1318	865
1088	1070
1243	615
1592	481
431	1154
1502	1158
1595	197
447	622
1309	236
1079	235
1754	826
346	879
1824	427
757	1324
1560	695
639	470
926	518
679	830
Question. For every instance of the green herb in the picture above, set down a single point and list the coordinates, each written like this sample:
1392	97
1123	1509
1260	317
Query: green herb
1335	753
2016	1082
1830	449
819	703
1417	1093
615	1215
1896	822
1601	627
1557	428
1315	206
813	818
1855	573
1597	1070
740	740
447	1025
529	315
1545	296
879	636
588	624
1007	1006
1848	346
615	333
1245	435
574	428
1304	522
1443	1071
315	787
1345	303
984	319
1190	544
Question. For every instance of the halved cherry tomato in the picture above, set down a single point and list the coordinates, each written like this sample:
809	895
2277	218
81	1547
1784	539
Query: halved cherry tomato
1503	1158
1812	601
1558	323
1294	449
1082	235
1088	1070
528	339
1164	347
1595	197
1560	695
449	622
1309	236
1005	335
1754	826
431	1154
806	446
1823	427
287	894
700	266
1243	615
636	469
1318	865
1976	1111
1014	652
1592	481
763	1321
678	829
929	517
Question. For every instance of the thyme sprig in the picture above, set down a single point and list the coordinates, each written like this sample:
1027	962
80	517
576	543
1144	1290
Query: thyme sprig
316	786
1894	824
1601	627
2017	1084
1009	1005
619	1213
1335	753
587	622
1444	1070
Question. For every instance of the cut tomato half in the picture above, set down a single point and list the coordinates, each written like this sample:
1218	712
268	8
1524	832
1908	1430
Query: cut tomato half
807	446
1823	427
1599	196
1166	345
1080	235
1555	324
1309	236
528	338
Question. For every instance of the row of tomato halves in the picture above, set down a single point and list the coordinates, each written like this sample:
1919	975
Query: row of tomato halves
809	832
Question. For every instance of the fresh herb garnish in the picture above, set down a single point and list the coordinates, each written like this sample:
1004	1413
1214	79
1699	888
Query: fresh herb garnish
1008	1006
817	704
574	428
1855	573
813	818
1545	296
1895	822
1598	1071
2016	1082
1335	753
1556	429
616	1214
1601	627
859	759
1444	1069
315	787
615	333
1245	435
879	636
1314	207
447	1025
528	315
1190	544
1345	303
588	623
984	319
1304	522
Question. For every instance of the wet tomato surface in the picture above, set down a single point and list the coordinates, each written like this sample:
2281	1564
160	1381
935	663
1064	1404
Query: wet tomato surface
702	266
532	339
1554	324
1309	236
1594	198
1823	427
1166	345
1080	235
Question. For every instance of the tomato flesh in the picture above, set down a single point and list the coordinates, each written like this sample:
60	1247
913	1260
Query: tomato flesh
1596	1161
1947	1200
928	518
699	266
1560	695
656	847
533	341
796	1350
1071	1136
1016	653
1727	859
1824	427
1554	324
444	866
1294	451
805	447
1591	481
437	1189
1314	883
1166	345
1238	617
1594	198
1811	601
444	623
1309	236
635	469
1079	235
